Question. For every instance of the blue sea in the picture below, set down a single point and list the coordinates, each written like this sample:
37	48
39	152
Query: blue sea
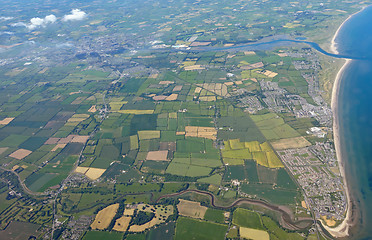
355	115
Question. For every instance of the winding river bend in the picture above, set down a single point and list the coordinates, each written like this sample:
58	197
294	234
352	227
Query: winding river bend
286	214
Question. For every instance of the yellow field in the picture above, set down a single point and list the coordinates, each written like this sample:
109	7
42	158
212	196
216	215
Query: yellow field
260	158
155	75
202	132
172	97
60	145
104	217
128	212
81	170
235	152
92	173
217	88
253	146
172	115
115	106
15	167
165	82
269	74
177	88
121	224
194	67
297	142
273	160
330	222
198	90
148	134
191	209
188	63
157	155
159	97
20	154
80	139
236	144
6	121
254	234
92	109
161	215
249	53
303	204
208	98
135	111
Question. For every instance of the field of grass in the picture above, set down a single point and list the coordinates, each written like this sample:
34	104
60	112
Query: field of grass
98	235
164	231
273	228
12	230
215	179
214	215
133	142
187	228
266	191
246	218
273	127
13	140
37	181
149	134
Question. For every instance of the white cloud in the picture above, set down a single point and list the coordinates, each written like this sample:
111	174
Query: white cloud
50	19
41	22
36	22
19	24
6	18
76	14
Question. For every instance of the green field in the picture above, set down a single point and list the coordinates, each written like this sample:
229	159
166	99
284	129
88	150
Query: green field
164	231
95	235
214	215
214	179
246	218
273	127
278	232
265	191
187	228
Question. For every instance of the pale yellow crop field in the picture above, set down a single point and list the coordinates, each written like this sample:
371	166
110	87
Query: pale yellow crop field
191	209
121	224
254	234
287	143
104	217
20	154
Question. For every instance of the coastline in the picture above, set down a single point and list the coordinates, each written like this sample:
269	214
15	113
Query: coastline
333	47
341	230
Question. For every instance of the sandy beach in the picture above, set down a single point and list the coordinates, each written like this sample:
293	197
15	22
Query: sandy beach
341	230
333	41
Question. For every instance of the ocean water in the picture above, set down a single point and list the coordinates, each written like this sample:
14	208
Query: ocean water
355	115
